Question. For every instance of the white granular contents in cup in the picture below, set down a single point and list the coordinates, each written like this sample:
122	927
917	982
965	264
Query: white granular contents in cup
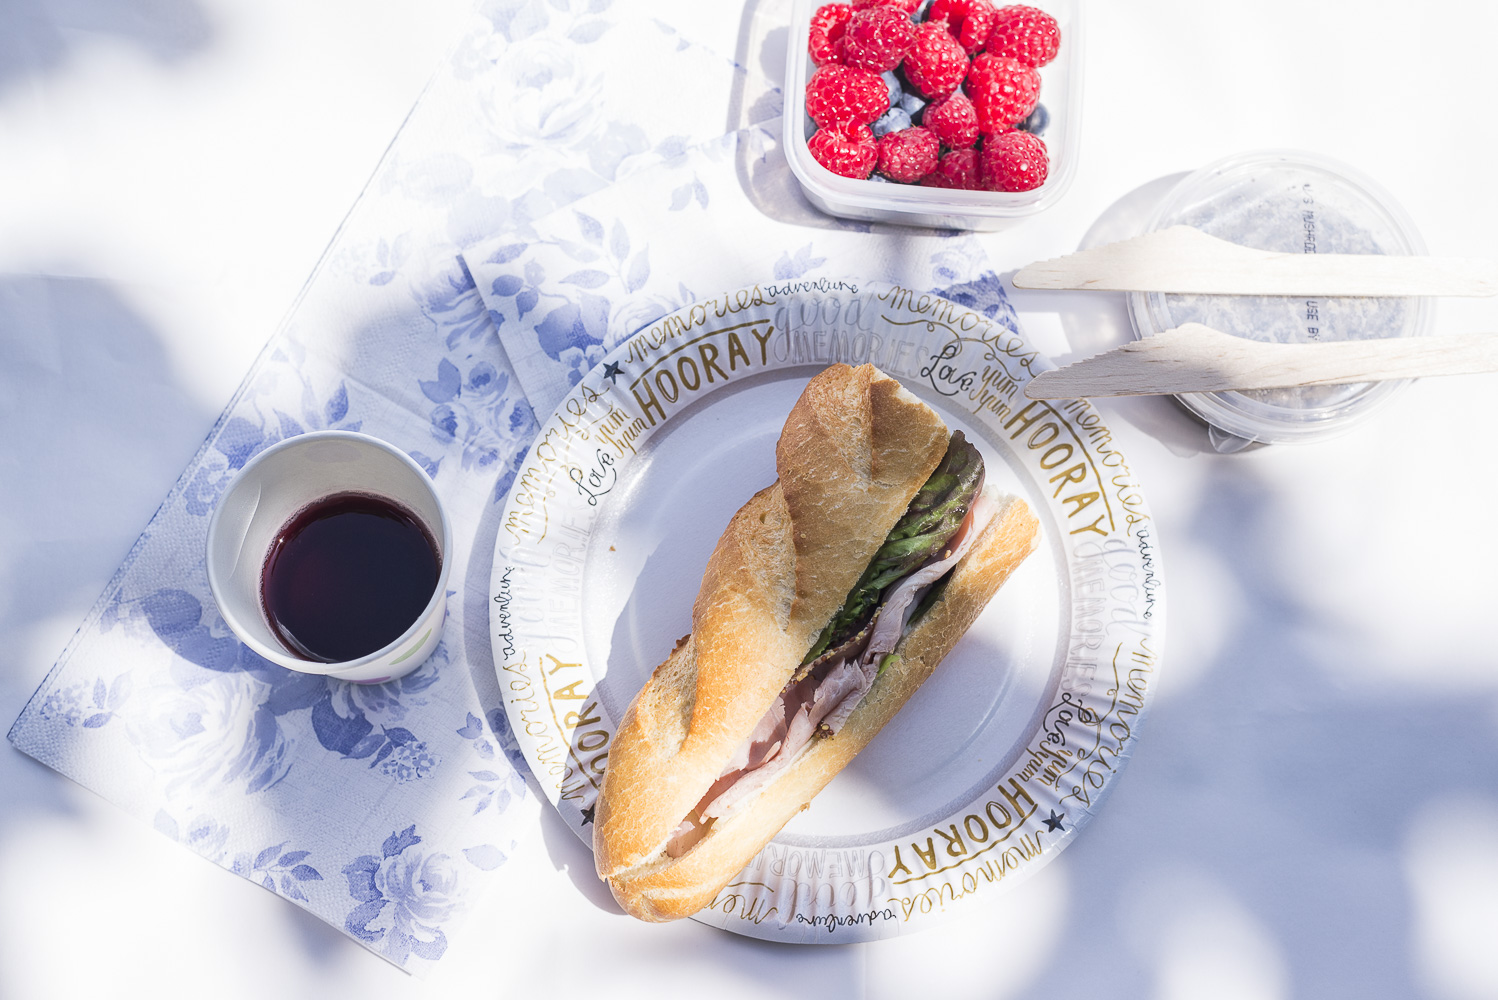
1292	212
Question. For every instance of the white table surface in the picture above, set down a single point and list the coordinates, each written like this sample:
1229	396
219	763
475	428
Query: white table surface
1313	807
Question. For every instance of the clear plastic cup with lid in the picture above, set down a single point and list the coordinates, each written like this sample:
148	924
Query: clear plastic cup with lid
1290	202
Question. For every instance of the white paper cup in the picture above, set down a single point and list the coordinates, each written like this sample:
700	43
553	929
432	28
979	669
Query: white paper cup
285	479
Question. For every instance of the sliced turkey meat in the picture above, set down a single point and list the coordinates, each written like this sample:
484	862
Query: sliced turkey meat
826	693
935	532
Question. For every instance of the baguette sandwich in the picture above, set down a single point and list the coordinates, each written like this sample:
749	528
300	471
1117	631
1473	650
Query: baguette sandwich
831	596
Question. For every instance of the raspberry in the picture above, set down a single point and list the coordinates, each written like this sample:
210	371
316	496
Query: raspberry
969	21
1024	33
936	63
908	6
877	38
908	155
1004	90
840	95
847	150
1014	161
827	26
954	120
958	169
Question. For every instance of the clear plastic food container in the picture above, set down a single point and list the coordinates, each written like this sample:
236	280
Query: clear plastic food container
1290	202
912	204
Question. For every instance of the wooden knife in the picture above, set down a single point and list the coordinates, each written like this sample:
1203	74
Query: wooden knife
1188	261
1197	358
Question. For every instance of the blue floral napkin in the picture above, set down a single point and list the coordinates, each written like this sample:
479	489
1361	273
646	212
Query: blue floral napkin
377	808
383	810
566	289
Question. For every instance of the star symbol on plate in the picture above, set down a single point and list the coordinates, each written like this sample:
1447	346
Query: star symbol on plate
1053	822
588	814
612	371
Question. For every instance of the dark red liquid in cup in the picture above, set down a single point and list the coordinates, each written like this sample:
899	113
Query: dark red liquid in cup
346	576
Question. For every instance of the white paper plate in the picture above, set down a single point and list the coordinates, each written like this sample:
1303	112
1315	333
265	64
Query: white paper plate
997	762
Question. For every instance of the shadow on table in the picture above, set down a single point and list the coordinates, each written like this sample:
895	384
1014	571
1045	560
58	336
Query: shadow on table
1273	825
567	851
758	99
760	54
569	854
1264	829
40	36
84	380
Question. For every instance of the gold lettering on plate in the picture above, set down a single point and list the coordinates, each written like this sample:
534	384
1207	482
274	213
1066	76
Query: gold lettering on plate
1065	463
587	748
985	363
645	343
827	889
699	362
577	420
955	844
550	753
745	900
970	880
1084	745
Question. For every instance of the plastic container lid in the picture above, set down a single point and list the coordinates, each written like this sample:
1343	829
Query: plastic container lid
1290	202
912	204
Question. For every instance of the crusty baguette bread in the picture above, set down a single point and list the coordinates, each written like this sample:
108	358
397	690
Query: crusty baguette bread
667	889
855	450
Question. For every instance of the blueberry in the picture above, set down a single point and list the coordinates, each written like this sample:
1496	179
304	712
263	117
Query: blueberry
912	104
880	178
1038	120
894	120
919	14
896	92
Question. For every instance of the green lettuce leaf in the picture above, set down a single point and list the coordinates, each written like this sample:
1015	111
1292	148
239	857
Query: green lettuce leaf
919	537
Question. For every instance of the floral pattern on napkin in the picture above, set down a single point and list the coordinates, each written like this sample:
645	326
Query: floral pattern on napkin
381	809
723	214
292	780
532	211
